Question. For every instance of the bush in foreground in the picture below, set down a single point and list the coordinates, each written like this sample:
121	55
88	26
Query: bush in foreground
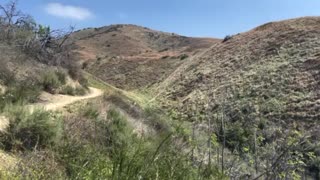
28	131
115	152
21	92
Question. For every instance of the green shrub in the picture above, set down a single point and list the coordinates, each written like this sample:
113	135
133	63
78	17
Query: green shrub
90	111
69	90
156	119
26	91
27	130
84	82
183	56
85	161
50	81
118	129
74	70
80	91
165	57
115	152
227	38
61	76
84	65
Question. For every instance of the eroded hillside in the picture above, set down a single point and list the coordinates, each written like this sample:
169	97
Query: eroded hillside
132	57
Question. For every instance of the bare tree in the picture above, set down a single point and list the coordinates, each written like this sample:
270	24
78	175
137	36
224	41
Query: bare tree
26	22
10	12
66	36
9	17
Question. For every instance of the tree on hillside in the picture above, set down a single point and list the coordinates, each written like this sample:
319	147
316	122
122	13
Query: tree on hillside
9	17
13	21
10	12
26	22
40	42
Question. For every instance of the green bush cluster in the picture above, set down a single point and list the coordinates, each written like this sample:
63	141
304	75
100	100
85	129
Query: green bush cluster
183	56
115	152
52	80
118	153
69	90
155	120
20	92
29	130
84	82
227	38
90	111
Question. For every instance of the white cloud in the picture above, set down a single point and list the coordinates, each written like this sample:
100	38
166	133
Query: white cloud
67	11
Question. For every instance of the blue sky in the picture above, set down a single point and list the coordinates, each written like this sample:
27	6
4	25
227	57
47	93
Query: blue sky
202	18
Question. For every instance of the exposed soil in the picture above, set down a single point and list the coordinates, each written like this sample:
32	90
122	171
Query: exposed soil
130	57
55	102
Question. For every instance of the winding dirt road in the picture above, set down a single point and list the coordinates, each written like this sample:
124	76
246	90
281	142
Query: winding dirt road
50	102
56	102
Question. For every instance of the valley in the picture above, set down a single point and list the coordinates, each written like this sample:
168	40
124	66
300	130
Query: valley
128	102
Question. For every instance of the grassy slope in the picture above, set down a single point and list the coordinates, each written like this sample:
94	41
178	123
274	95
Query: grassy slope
80	130
277	62
142	99
265	81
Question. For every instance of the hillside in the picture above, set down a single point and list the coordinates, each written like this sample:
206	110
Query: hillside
128	102
267	78
18	63
58	122
132	57
278	60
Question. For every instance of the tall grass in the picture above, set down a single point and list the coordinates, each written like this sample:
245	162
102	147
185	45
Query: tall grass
96	146
117	153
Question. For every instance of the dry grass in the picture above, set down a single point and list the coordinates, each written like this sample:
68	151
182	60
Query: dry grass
4	122
131	57
281	57
7	161
268	77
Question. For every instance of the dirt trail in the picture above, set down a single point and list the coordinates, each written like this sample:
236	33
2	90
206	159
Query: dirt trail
50	102
55	102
